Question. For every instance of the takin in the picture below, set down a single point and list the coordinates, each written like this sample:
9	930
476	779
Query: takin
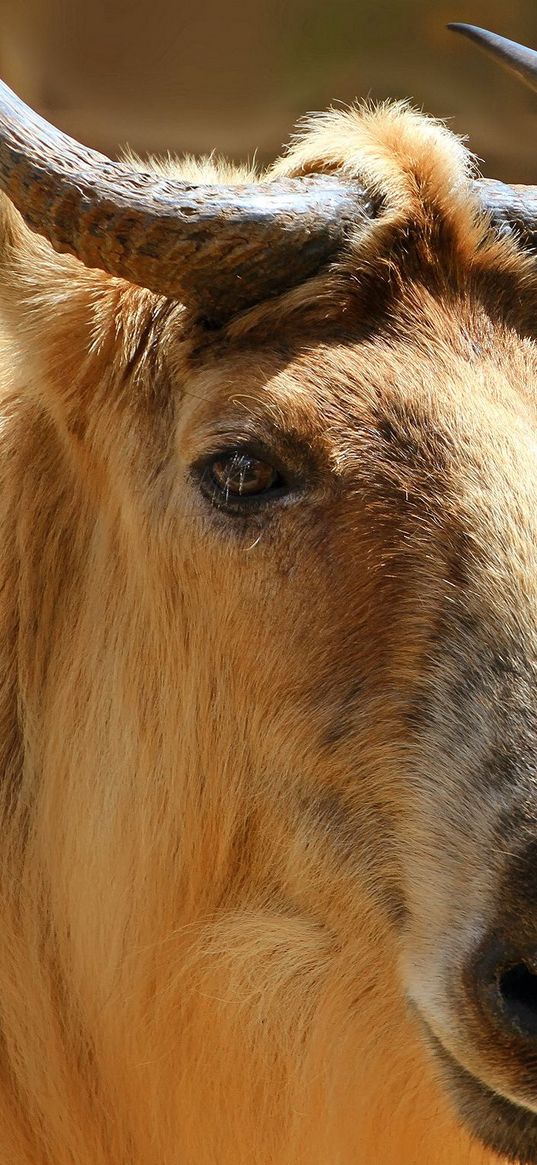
268	692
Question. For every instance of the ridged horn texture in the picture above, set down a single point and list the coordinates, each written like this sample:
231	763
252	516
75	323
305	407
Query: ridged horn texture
223	247
514	57
512	209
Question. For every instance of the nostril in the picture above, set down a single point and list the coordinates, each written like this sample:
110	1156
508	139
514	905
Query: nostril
502	982
518	991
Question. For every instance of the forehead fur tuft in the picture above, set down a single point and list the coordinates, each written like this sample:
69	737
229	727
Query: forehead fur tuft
410	161
390	142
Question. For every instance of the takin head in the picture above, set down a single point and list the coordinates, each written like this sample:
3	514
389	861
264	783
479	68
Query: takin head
268	636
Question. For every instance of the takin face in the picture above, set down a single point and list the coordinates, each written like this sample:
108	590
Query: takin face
269	724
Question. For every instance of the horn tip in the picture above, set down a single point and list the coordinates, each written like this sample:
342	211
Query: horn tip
470	30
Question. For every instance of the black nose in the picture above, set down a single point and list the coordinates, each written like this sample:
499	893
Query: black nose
505	989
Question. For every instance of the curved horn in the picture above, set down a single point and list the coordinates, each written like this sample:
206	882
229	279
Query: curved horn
512	209
225	247
514	57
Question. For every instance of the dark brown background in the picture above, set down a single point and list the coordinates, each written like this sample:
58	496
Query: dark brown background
193	75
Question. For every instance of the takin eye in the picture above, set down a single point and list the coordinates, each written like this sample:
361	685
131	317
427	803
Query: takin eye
237	476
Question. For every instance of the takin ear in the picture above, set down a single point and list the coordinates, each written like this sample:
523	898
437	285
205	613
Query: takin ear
74	333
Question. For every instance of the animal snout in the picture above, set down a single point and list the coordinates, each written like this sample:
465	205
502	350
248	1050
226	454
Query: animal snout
504	985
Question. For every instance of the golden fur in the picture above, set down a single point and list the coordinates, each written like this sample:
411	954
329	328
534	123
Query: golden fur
214	870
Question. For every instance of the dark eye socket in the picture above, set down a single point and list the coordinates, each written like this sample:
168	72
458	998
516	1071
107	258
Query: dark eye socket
238	476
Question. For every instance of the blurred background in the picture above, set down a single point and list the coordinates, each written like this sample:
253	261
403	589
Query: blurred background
234	75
